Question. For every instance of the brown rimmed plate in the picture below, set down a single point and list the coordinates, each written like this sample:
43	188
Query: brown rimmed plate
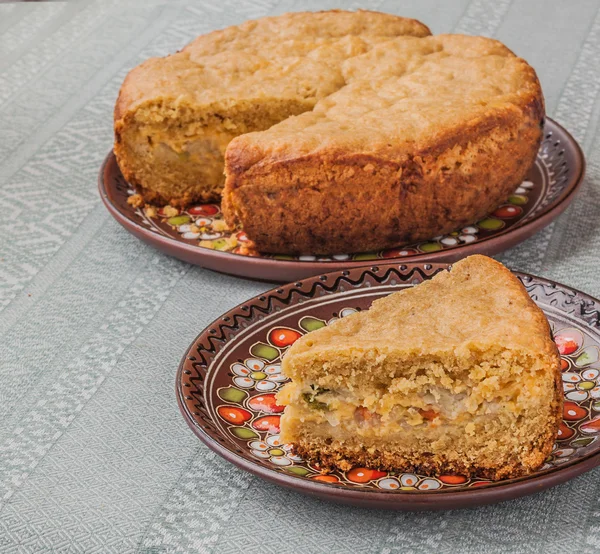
196	235
227	380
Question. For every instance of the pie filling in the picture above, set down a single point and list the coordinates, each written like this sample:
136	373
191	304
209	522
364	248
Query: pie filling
428	412
178	149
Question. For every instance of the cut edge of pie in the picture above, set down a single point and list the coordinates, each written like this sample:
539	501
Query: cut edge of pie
457	375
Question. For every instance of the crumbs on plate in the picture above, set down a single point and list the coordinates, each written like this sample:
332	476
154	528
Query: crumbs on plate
203	223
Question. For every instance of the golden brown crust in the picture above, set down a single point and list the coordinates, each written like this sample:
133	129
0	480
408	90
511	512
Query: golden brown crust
367	202
478	304
473	332
175	115
335	456
331	457
399	136
329	183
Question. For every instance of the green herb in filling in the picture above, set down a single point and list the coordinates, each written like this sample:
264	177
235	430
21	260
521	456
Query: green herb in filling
311	398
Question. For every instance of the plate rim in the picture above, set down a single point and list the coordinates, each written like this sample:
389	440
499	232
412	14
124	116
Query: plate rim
285	270
397	500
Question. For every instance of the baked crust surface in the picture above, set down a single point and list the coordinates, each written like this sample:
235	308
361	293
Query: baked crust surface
346	131
428	135
175	116
456	375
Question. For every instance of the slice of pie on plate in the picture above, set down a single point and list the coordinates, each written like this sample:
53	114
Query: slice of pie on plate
458	374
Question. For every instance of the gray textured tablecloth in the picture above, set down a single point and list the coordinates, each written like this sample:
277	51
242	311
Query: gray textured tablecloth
94	456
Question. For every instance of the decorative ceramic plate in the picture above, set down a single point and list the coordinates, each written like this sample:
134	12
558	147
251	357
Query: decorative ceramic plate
227	380
198	234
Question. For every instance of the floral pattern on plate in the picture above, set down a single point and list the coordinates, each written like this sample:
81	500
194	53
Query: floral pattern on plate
242	423
256	418
203	225
199	234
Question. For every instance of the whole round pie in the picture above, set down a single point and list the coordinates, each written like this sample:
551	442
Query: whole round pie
334	131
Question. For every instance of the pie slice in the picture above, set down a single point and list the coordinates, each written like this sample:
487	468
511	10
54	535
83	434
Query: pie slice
456	375
176	115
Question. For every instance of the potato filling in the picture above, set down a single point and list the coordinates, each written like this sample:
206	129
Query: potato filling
426	403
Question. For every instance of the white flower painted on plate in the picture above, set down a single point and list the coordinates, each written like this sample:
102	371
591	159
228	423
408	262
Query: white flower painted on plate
409	480
563	452
255	373
390	483
577	395
271	449
210	236
590	374
429	485
449	241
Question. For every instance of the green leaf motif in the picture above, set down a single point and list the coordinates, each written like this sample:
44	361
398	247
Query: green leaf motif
491	224
231	394
265	351
364	256
430	247
243	433
587	357
297	470
584	441
179	220
518	199
220	244
311	323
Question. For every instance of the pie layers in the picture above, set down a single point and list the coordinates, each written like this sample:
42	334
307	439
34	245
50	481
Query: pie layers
456	375
176	115
332	132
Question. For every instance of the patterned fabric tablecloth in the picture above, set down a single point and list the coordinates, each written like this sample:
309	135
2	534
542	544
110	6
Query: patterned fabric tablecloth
94	456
